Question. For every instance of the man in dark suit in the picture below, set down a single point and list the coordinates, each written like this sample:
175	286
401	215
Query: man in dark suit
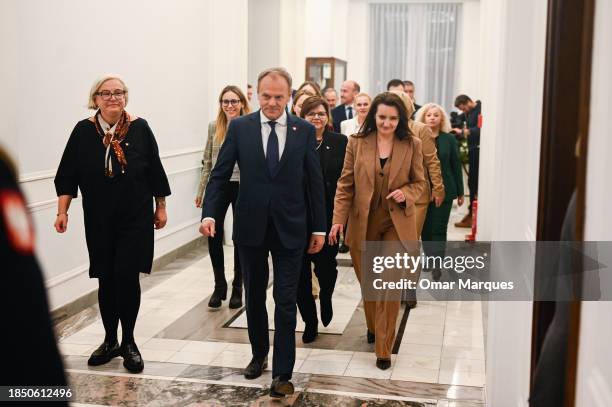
279	171
345	110
471	130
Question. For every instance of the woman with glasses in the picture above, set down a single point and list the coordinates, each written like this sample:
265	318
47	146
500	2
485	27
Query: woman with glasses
232	104
331	148
112	157
362	105
381	180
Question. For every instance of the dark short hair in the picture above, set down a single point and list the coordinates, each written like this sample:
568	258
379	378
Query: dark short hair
249	86
312	103
462	100
408	83
329	90
395	82
388	99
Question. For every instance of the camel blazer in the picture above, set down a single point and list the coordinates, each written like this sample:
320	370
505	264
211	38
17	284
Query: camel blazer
431	163
356	187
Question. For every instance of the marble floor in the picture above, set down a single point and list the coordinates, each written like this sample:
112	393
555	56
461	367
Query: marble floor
195	355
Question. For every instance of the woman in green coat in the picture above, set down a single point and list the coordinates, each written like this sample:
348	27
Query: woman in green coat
436	221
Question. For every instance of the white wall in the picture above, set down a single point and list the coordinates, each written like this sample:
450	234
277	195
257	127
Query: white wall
467	80
594	385
169	55
512	76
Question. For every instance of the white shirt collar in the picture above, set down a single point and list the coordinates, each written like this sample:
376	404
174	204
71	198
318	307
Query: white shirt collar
107	128
282	120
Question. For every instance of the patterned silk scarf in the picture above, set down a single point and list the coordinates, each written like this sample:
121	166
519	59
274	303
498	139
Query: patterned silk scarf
114	141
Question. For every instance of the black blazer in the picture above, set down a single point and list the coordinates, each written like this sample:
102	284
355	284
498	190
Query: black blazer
279	197
338	116
331	154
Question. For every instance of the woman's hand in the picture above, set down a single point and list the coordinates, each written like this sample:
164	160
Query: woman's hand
160	218
438	201
61	222
397	195
333	233
460	200
198	202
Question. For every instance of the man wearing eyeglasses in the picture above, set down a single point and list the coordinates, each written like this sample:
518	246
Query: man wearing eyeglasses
279	171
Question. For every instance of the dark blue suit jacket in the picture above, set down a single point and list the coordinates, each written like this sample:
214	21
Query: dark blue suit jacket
279	197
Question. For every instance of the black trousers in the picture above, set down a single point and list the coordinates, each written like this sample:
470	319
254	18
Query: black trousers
325	268
474	162
287	264
215	244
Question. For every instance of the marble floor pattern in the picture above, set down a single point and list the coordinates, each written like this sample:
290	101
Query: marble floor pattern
194	355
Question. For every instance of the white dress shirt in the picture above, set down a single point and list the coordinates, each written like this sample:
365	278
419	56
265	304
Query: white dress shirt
281	133
346	110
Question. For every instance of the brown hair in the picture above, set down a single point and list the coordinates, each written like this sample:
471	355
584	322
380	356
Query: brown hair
388	99
312	103
313	85
297	97
222	122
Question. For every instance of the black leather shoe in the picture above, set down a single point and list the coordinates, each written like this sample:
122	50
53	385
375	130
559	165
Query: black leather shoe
310	332
104	353
371	337
383	364
255	368
343	248
132	359
411	304
281	388
327	311
236	298
217	296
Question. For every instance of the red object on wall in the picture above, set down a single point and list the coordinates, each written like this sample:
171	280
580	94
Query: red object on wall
472	237
480	121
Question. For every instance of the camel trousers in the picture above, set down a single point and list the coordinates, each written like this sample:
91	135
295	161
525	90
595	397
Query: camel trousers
381	316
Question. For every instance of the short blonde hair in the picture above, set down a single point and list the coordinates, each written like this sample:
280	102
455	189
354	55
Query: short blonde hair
422	112
406	100
362	94
98	84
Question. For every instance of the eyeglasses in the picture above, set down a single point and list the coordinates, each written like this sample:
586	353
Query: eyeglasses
227	102
107	94
312	115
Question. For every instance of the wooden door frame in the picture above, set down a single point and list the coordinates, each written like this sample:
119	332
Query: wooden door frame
565	126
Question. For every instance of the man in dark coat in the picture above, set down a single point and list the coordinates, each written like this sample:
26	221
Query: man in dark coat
471	130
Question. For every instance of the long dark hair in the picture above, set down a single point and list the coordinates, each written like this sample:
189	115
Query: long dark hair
388	99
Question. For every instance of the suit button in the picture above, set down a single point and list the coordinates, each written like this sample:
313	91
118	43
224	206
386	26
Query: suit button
382	174
391	209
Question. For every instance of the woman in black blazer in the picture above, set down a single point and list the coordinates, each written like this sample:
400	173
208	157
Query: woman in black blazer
331	148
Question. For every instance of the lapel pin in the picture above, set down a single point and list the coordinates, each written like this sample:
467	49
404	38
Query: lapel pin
327	147
294	128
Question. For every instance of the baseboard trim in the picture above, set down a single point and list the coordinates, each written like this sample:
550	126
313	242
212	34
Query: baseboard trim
91	298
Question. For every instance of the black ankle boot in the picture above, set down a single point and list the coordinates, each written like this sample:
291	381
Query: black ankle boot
383	364
217	296
236	298
370	336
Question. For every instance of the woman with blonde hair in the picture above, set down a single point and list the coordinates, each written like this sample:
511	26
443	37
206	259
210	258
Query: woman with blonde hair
112	157
436	220
361	103
232	104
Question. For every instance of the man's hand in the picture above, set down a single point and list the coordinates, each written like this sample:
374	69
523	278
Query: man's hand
316	243
437	200
397	195
333	233
207	228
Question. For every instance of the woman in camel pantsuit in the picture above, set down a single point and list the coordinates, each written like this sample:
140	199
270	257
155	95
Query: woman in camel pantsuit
381	180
